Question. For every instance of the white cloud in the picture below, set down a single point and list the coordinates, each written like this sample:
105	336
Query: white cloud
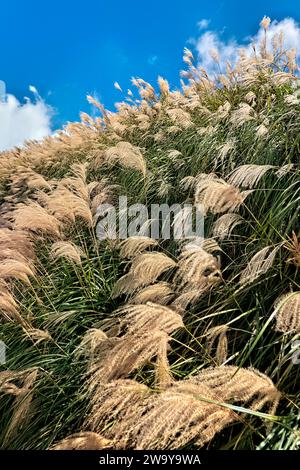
22	121
203	24
228	50
210	41
33	89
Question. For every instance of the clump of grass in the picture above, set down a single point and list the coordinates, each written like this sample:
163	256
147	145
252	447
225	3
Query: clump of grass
143	343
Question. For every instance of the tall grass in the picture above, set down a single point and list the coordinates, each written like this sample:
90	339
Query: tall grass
141	344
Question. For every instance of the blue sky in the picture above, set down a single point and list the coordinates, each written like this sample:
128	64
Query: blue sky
69	49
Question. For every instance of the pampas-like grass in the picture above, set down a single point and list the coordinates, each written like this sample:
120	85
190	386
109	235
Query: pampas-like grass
189	296
147	328
77	186
17	240
24	379
247	176
149	317
147	331
145	269
174	418
127	284
234	385
163	375
114	402
287	309
83	441
284	170
293	246
126	155
187	183
159	293
66	206
91	344
12	254
163	86
259	264
67	250
100	192
134	246
196	267
9	308
34	218
13	269
125	355
225	224
241	115
225	149
37	336
217	334
29	179
210	245
23	399
180	117
37	181
216	196
159	146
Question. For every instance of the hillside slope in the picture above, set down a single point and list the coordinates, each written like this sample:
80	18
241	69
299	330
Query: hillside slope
142	343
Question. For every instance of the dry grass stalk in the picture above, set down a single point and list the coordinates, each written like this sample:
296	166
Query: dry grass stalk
244	113
127	284
113	402
145	269
126	155
247	176
218	333
67	250
210	245
17	382
34	218
67	206
293	246
259	264
18	241
188	182
284	169
122	356
100	192
22	403
37	336
13	269
189	296
196	268
216	196
12	254
287	309
91	344
174	418
234	385
160	293
134	246
9	308
26	178
163	376
149	317
83	441
180	117
77	186
225	224
224	150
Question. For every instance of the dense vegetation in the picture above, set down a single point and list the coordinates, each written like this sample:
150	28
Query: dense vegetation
143	343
